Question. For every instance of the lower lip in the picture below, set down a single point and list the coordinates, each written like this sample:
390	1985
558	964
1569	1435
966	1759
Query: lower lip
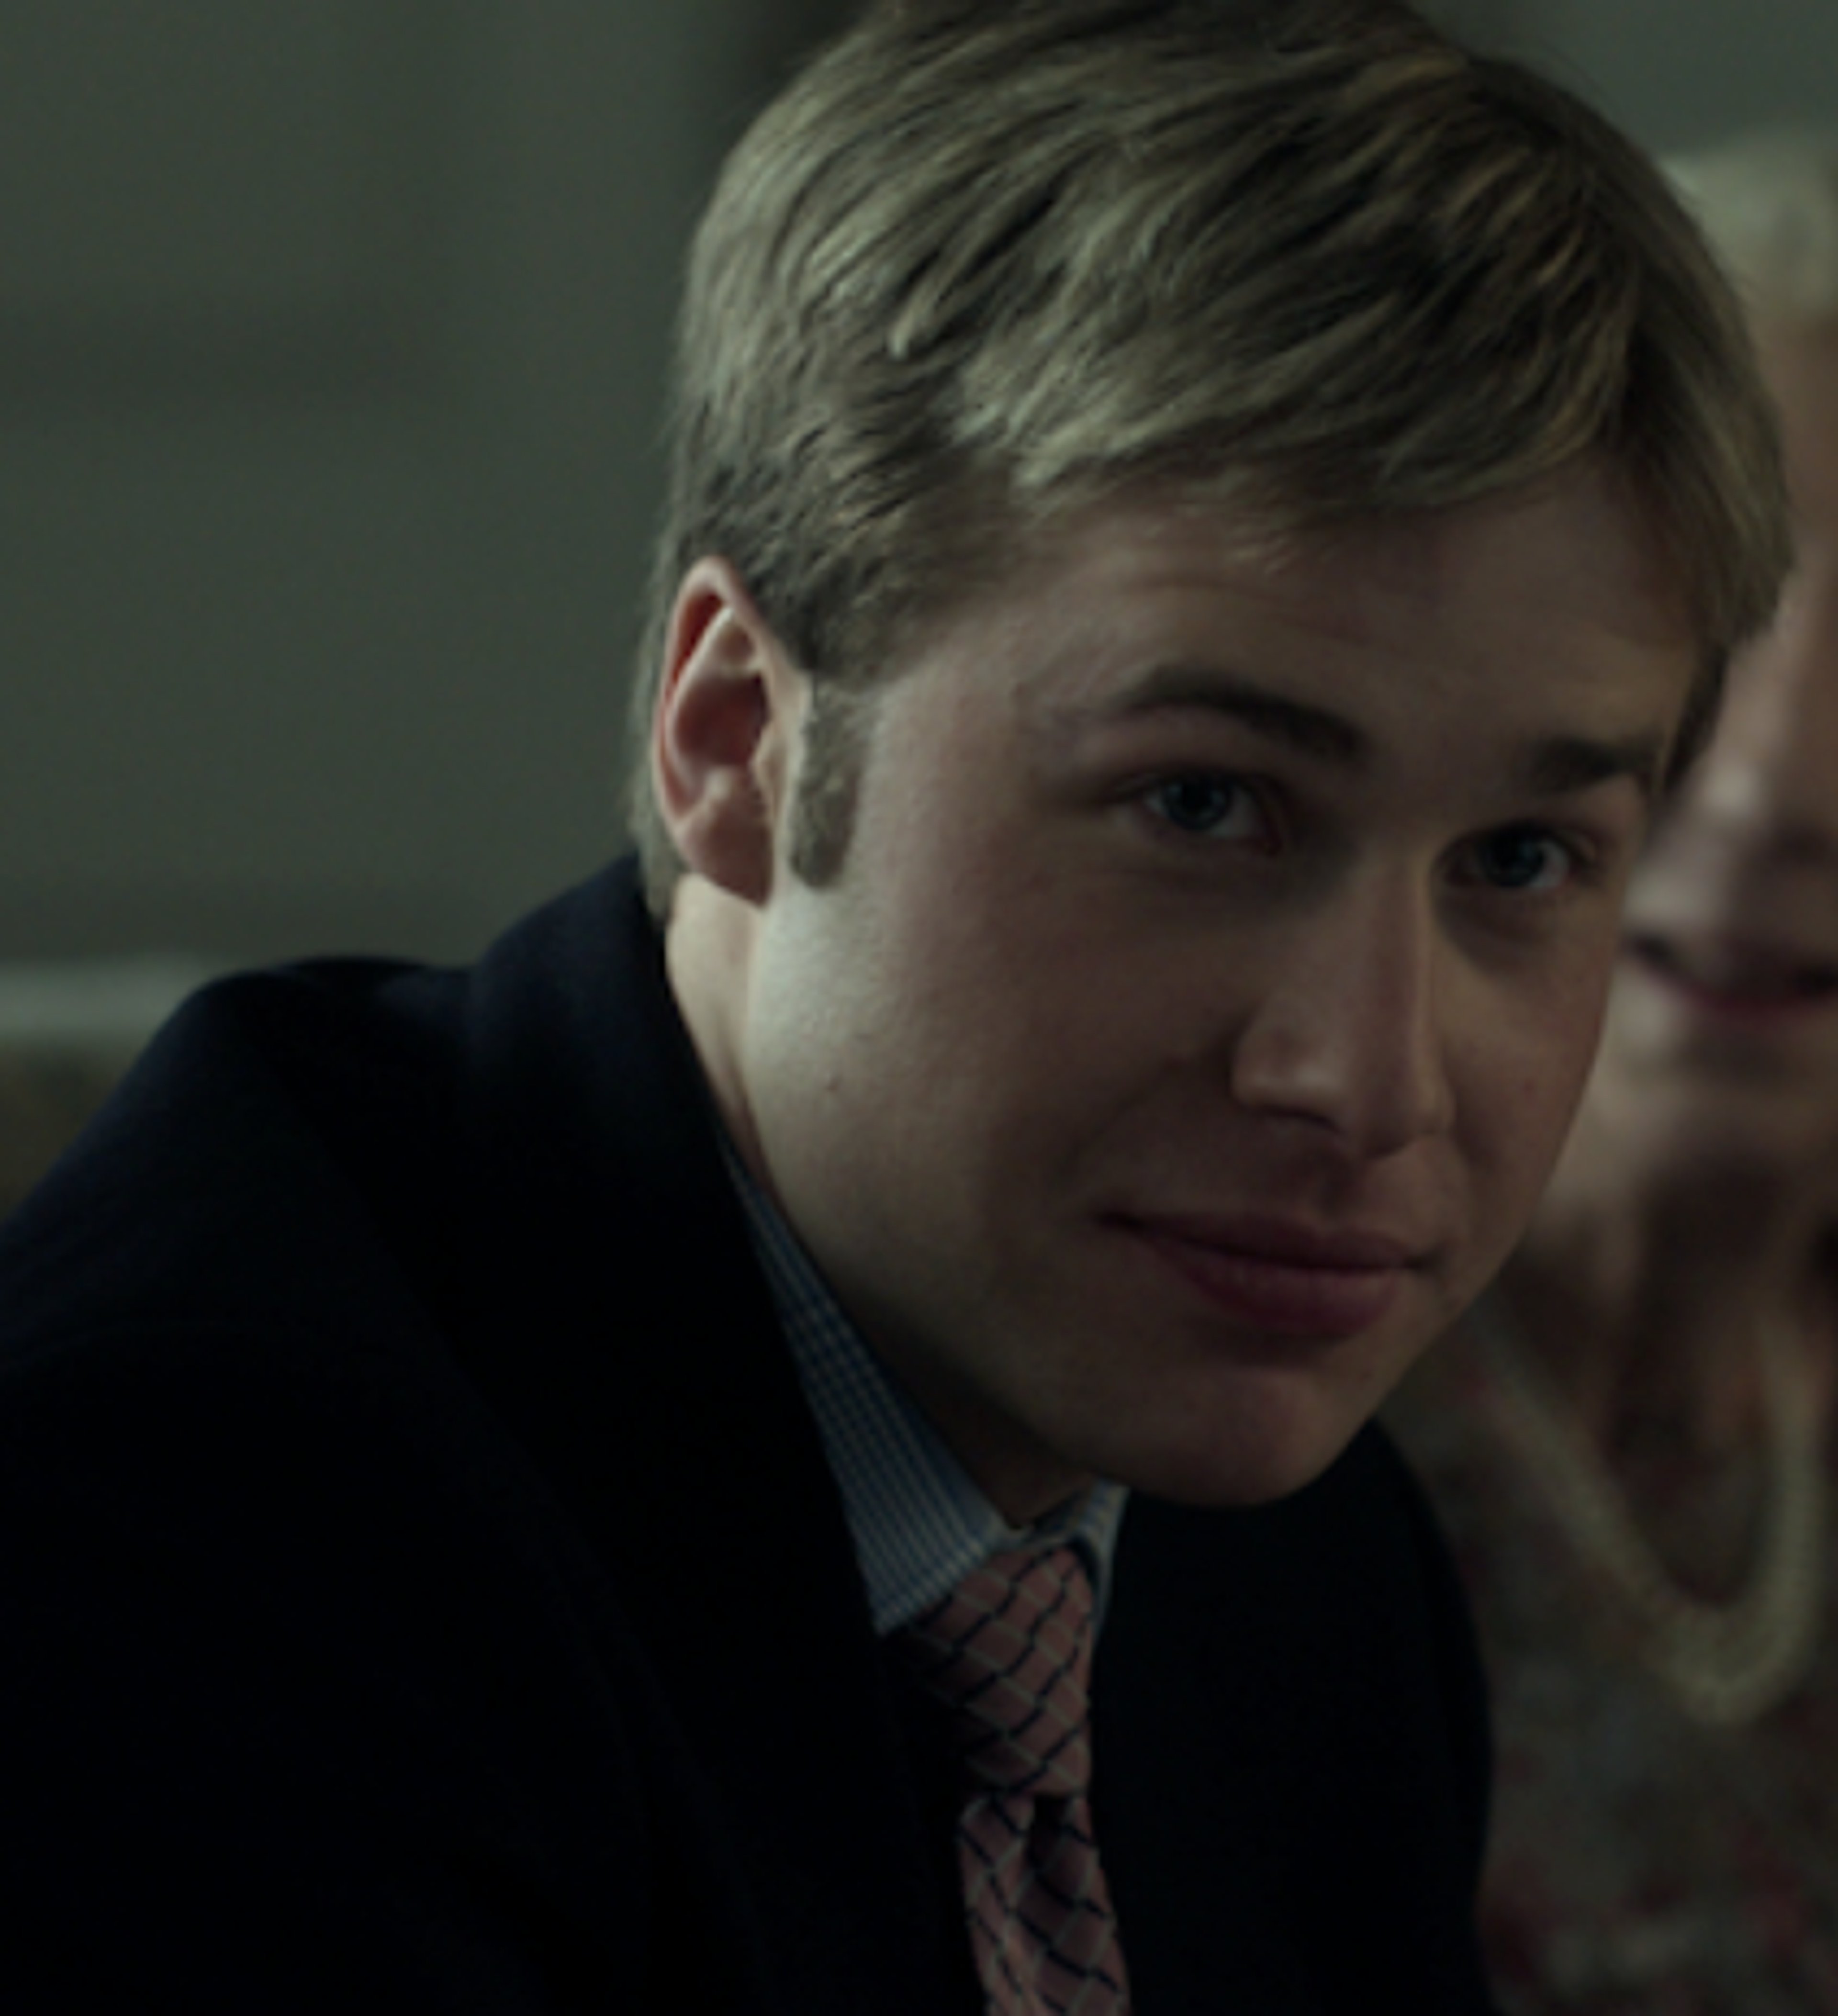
1280	1297
1735	1011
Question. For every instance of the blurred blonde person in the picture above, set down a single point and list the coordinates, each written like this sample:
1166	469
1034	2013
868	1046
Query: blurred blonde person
1632	1447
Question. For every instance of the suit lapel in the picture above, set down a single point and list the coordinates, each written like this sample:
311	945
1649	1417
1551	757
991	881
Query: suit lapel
614	1314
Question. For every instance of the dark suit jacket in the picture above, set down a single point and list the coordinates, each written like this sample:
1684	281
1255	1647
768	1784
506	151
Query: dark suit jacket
421	1587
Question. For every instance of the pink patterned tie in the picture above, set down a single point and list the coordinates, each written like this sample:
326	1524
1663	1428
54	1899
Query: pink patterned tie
1009	1653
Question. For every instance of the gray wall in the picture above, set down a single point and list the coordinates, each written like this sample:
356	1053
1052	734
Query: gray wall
1682	73
331	339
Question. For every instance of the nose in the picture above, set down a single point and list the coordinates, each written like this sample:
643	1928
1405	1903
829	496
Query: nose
1351	1037
1772	770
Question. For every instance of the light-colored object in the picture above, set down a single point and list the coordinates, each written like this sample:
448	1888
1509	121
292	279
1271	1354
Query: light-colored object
1725	1664
111	1005
68	1030
1768	202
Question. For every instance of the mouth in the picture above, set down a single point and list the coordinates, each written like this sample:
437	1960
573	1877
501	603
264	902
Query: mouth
1736	980
1282	1279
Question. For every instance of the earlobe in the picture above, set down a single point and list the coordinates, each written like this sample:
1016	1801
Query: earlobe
720	732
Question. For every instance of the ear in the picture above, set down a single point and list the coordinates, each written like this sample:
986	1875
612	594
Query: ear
723	731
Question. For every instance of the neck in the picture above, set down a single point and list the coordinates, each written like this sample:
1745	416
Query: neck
1646	1304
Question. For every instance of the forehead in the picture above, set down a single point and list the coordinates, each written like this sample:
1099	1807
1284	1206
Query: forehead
1565	579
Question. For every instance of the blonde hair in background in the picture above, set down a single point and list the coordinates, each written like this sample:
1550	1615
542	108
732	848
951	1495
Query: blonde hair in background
1768	201
987	261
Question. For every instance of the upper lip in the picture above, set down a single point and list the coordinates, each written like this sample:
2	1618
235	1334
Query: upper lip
1288	1242
1736	962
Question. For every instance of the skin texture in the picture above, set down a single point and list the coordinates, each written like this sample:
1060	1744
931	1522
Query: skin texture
1696	1203
1218	958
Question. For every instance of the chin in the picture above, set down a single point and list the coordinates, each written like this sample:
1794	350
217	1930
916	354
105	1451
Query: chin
1258	1452
1718	1130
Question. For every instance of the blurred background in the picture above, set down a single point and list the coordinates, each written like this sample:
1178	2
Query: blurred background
332	336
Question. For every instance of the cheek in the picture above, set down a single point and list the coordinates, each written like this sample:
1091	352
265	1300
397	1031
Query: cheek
1526	1073
1542	1070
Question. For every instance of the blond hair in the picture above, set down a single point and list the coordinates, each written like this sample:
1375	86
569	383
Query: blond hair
985	263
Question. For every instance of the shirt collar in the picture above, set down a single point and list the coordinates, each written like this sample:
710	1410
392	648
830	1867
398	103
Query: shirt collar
919	1524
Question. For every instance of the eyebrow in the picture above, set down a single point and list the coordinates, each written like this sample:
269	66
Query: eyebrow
1555	767
1315	731
1574	763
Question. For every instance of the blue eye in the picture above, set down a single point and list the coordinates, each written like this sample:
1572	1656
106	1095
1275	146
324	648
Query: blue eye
1208	803
1525	858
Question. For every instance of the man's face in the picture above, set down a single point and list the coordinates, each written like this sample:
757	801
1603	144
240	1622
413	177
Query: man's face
1217	958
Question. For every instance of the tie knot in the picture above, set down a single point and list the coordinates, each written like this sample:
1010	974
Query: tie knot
1009	1653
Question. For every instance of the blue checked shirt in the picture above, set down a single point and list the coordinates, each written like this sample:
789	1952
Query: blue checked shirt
919	1524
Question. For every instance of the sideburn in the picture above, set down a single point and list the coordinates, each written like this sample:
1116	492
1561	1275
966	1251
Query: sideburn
828	779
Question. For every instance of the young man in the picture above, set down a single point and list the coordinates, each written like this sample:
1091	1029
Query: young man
1199	530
